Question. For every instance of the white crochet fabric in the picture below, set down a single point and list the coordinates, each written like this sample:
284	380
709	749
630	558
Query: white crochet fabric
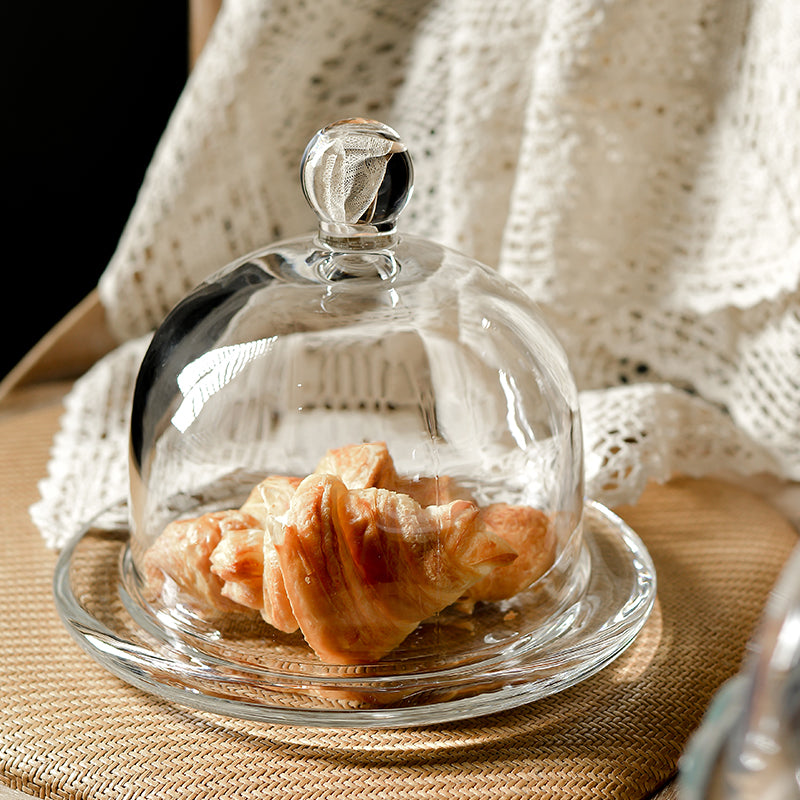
634	166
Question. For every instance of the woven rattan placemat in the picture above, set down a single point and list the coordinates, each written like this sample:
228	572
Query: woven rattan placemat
68	729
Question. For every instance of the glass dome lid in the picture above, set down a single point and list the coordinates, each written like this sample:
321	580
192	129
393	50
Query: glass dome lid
356	481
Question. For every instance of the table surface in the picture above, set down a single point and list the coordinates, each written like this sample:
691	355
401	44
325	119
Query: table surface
66	726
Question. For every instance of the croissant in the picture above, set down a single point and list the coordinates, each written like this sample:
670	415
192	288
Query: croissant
246	561
360	466
528	531
368	465
364	567
271	497
354	555
183	553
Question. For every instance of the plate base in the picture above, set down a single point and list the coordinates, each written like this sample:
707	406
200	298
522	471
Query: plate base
281	686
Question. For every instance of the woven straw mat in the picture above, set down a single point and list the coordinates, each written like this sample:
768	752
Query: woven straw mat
68	729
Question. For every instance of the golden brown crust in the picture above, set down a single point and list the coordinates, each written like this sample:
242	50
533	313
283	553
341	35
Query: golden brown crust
238	561
360	466
183	553
529	532
276	608
271	497
363	568
249	565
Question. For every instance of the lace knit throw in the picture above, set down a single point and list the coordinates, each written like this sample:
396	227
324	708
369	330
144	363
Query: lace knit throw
635	167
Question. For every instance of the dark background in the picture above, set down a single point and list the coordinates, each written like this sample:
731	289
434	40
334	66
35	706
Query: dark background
89	89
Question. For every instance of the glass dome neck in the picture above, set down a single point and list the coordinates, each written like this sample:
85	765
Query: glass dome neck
360	238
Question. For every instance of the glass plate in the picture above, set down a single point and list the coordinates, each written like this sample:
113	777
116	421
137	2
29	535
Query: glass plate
275	680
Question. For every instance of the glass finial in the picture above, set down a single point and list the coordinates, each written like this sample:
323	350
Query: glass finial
357	176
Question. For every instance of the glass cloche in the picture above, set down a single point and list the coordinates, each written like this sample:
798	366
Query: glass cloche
356	482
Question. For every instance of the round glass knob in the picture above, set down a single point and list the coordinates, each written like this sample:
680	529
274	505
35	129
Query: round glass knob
357	176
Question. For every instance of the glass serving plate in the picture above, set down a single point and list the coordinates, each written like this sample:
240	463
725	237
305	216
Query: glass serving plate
234	675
